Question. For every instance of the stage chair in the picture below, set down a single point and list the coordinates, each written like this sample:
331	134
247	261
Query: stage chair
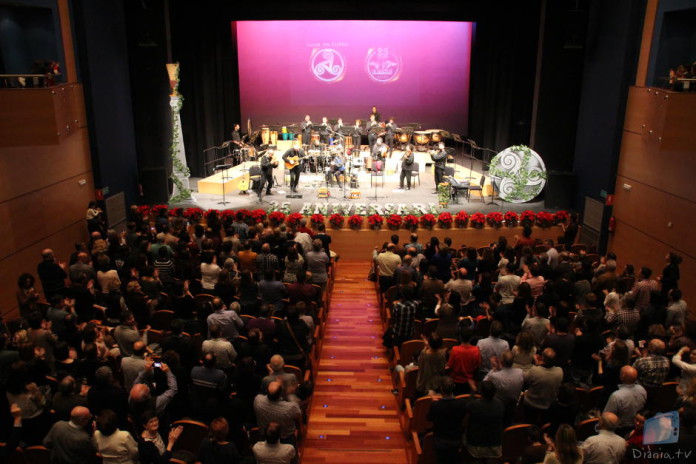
415	173
476	188
374	174
514	442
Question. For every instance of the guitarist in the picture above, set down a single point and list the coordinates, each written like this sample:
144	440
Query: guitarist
267	164
293	161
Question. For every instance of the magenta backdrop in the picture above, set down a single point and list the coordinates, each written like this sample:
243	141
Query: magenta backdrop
415	71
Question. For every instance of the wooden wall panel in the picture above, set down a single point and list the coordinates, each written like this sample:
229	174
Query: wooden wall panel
650	210
27	114
26	260
357	245
25	169
30	218
671	171
632	246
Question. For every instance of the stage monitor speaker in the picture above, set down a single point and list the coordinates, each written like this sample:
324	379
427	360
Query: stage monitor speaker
560	186
155	185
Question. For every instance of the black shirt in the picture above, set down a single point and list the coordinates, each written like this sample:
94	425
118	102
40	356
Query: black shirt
447	416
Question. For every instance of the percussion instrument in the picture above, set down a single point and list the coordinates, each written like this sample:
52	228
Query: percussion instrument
376	166
324	193
404	137
274	137
265	135
421	137
248	153
315	138
435	135
349	140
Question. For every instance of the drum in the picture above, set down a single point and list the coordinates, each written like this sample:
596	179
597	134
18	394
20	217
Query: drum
248	153
435	135
376	166
274	138
349	140
404	137
421	137
265	135
315	138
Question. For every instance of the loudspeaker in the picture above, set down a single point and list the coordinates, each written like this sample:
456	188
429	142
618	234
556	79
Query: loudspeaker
155	185
560	186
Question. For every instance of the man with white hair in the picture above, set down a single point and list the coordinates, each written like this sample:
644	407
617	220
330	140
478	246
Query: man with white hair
70	441
606	447
628	400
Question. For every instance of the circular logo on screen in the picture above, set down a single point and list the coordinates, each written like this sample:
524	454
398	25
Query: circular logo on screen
383	65
327	64
518	173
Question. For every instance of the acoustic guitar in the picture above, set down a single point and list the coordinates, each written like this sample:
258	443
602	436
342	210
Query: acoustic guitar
292	161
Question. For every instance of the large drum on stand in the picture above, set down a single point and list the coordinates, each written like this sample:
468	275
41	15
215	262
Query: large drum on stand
435	135
265	135
273	138
422	138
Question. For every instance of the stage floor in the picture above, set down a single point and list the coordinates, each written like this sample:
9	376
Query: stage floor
310	183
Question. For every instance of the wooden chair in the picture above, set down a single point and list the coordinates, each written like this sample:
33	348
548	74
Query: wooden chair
662	399
449	343
191	437
416	414
37	455
577	248
162	319
595	399
297	372
430	326
404	354
246	318
154	336
423	451
514	442
407	386
165	301
586	429
200	299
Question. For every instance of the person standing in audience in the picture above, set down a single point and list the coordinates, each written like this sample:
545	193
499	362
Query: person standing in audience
492	347
217	448
115	446
51	274
447	415
70	442
543	381
271	407
606	447
318	264
484	433
508	382
564	448
387	261
404	315
627	401
272	451
653	366
464	363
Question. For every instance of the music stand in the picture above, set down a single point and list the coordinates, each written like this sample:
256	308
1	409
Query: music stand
225	169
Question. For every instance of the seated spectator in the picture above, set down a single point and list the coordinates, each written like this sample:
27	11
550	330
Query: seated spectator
272	451
115	446
152	448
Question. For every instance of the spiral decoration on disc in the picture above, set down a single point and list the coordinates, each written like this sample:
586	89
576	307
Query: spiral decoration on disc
518	173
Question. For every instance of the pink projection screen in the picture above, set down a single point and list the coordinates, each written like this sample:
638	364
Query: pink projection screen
415	71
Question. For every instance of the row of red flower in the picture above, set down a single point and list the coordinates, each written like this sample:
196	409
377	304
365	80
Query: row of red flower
393	221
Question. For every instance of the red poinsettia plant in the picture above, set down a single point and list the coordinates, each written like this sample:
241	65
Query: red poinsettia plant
243	215
527	218
461	219
257	215
316	219
410	221
227	216
495	219
175	212
394	221
545	219
294	219
561	216
193	214
511	218
211	212
159	209
355	221
143	210
477	219
276	218
336	220
445	219
428	220
375	221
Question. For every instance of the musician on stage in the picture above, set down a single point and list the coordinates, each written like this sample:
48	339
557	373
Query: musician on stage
374	113
293	161
371	130
338	126
267	164
378	152
338	168
325	132
406	167
440	159
236	138
389	137
306	130
357	135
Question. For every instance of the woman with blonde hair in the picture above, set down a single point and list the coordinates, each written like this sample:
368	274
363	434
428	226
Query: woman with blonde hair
564	449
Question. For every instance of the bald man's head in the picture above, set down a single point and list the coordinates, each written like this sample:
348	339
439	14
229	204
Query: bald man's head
139	348
275	391
277	363
139	393
609	421
80	416
628	375
656	347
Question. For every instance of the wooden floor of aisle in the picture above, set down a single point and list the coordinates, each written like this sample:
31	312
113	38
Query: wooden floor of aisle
354	417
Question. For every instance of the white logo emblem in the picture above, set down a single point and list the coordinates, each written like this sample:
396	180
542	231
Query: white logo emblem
383	65
327	64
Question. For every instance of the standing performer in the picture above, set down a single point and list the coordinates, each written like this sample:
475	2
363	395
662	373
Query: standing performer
378	152
357	135
267	165
406	167
339	125
293	159
236	138
372	129
306	130
324	133
389	138
338	168
375	114
440	159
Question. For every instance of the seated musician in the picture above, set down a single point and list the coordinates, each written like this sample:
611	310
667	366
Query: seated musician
338	168
293	162
378	152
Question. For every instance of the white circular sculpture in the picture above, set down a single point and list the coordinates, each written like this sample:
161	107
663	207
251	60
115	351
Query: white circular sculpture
518	173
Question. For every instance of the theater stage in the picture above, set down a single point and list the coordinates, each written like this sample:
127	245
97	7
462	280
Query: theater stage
208	191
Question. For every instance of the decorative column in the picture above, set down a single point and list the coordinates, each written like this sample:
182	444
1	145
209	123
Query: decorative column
181	193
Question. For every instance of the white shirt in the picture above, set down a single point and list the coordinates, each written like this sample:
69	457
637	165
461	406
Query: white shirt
117	448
